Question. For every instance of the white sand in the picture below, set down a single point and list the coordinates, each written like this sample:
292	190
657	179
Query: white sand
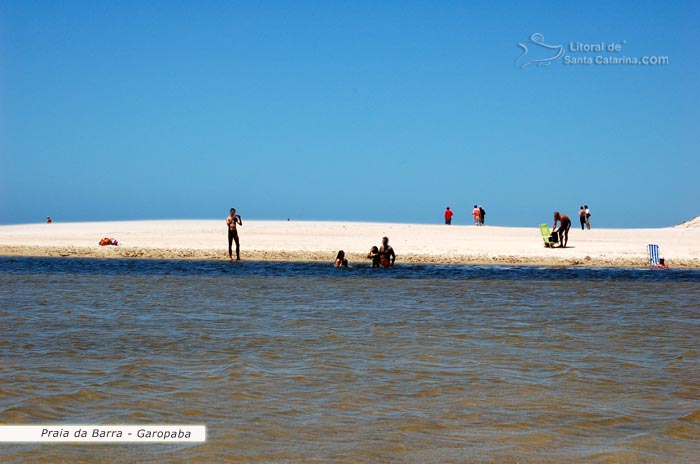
319	241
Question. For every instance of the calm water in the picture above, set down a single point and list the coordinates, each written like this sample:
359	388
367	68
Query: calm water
306	363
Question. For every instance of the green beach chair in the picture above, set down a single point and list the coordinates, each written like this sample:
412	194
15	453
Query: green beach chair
547	236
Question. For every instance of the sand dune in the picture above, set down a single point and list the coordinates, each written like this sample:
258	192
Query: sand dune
318	241
690	223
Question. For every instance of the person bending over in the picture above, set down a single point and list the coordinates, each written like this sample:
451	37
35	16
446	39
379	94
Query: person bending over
231	221
563	229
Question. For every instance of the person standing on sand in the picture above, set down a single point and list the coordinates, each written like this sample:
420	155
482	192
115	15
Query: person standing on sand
588	217
563	230
482	215
231	222
49	220
477	215
386	253
448	216
582	217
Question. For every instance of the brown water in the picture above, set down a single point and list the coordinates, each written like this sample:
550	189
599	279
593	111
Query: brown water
306	363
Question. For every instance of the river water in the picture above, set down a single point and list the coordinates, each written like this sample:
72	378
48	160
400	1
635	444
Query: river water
302	362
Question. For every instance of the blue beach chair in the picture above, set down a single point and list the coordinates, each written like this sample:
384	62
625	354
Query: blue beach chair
654	260
653	254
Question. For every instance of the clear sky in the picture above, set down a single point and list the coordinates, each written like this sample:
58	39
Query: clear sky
357	111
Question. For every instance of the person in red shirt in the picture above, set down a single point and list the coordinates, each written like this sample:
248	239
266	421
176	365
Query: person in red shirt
476	212
563	230
448	216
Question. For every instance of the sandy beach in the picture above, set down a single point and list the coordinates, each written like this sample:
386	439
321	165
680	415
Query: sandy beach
319	241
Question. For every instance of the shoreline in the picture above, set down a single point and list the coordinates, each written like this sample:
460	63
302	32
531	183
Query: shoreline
304	257
299	241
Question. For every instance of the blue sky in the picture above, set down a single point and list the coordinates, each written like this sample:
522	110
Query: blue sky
357	111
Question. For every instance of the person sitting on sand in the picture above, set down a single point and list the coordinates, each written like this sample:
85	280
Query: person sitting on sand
231	222
340	260
563	230
386	253
374	256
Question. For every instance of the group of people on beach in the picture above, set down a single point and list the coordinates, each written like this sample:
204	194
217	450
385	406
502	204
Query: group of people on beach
479	214
384	256
562	224
584	216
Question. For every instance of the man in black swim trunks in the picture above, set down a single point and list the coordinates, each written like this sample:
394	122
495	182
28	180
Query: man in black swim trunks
563	230
231	222
386	253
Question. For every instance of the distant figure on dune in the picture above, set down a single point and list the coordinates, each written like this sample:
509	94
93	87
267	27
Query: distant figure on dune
386	253
563	229
374	256
448	216
588	217
48	220
482	215
340	260
477	215
582	217
231	222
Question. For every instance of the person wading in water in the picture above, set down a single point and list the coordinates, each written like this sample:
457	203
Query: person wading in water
386	254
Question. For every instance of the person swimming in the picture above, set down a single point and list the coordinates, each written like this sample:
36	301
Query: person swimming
340	260
374	256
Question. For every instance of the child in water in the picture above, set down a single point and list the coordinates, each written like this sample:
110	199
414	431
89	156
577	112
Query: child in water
374	256
340	260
